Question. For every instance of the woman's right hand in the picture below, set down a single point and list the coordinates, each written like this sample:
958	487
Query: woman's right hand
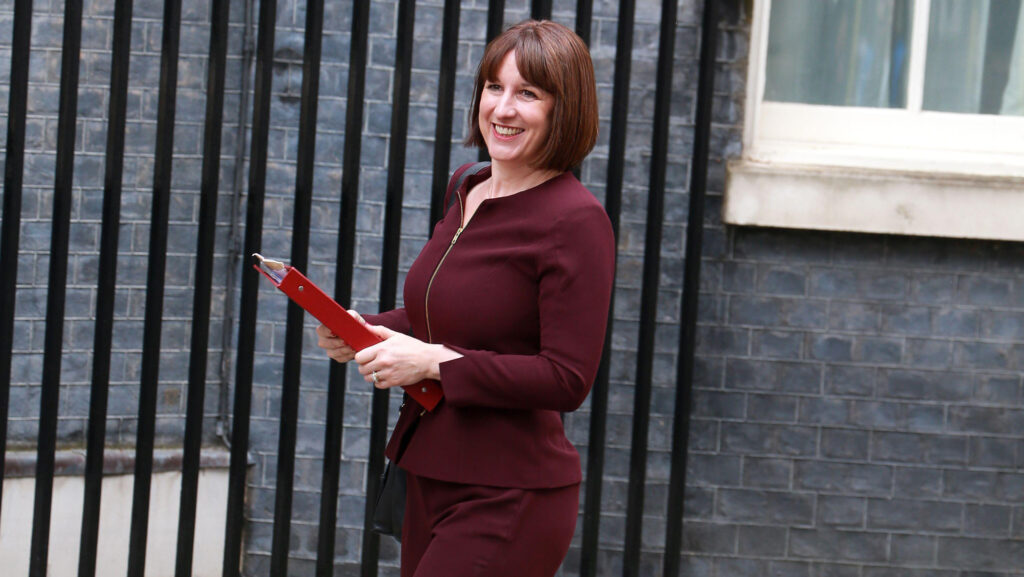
333	345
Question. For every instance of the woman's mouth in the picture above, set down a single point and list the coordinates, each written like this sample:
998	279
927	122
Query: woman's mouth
506	131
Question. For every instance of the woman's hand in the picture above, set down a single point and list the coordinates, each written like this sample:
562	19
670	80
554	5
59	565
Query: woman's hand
333	345
401	360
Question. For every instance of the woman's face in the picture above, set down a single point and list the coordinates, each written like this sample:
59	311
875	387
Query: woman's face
515	116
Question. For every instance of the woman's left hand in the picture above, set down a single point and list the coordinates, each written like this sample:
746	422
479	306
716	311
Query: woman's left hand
401	360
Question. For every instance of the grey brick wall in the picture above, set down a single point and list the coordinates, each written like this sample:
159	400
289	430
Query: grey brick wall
859	406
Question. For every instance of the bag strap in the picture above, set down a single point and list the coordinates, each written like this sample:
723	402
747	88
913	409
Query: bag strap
472	170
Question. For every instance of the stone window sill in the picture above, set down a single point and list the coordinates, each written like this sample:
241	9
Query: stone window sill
873	200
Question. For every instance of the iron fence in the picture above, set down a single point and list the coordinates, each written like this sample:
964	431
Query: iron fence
345	258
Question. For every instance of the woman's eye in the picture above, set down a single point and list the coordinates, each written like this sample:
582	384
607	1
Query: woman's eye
529	94
493	87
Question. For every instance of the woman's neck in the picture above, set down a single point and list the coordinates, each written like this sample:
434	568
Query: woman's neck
508	180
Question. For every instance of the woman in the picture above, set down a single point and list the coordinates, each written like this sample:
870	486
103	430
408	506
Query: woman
508	303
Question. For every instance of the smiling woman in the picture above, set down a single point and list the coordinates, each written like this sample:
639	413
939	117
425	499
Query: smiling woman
506	305
554	65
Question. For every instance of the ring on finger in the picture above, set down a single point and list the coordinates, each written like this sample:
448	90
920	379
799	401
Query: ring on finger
375	378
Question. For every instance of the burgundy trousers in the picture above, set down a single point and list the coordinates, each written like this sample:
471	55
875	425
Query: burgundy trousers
455	530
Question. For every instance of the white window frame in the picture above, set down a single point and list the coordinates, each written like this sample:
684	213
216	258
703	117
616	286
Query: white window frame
904	171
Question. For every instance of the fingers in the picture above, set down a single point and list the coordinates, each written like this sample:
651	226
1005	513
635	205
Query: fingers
335	347
358	317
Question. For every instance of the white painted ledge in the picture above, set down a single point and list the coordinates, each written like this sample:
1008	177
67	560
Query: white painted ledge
115	516
874	201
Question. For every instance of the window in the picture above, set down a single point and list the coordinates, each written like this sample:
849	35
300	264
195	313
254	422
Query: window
897	116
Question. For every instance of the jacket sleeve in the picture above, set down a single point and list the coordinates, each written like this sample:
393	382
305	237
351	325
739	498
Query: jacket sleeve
576	275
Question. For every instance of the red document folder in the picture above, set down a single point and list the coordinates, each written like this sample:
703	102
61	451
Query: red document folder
326	310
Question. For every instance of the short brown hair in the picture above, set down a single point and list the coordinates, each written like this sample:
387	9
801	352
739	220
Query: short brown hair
553	58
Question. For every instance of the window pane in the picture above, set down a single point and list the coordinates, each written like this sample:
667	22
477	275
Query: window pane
839	52
975	57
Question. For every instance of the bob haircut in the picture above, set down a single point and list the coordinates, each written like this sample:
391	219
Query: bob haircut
553	58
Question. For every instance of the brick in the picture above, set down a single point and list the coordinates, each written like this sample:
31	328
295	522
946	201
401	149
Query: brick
773	507
973	485
905	572
913	549
929	353
833	283
771	408
778	280
987	520
911	448
761	541
838	545
933	289
854	316
923	385
767	473
738	277
992	420
768	439
819	569
914	515
1000	389
777	344
992	452
742	567
773	376
715	404
979	355
836	511
876	415
709	538
987	290
715	470
844	444
850	380
855	479
824	411
789	569
983	554
877	350
832	348
906	319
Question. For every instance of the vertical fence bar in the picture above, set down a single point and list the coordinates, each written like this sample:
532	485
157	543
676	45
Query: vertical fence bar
10	228
445	108
343	282
250	288
154	288
540	9
105	288
284	488
691	289
198	355
613	205
389	264
57	285
649	292
495	22
584	19
495	18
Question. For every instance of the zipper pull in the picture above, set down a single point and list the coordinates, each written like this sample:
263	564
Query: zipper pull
457	233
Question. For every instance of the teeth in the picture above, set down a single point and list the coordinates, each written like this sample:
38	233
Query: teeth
506	130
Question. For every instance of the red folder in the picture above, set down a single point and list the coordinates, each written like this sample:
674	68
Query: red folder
326	310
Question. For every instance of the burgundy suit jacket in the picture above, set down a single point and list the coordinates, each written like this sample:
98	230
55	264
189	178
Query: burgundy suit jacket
522	293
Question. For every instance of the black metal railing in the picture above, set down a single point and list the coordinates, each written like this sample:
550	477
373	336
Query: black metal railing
245	346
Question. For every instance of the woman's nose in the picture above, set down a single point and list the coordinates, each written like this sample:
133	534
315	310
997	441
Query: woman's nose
505	107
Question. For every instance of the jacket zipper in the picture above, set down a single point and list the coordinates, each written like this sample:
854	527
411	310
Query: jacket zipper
426	298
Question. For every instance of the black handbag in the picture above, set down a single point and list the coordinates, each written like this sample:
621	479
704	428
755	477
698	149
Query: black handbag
389	511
